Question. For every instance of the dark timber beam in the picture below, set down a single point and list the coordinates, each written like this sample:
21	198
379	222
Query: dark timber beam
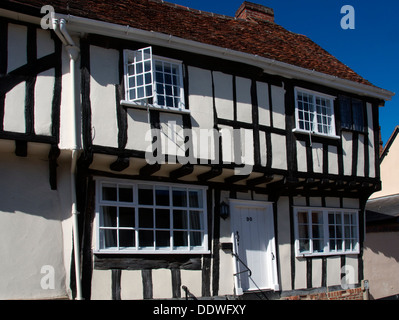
182	171
21	148
120	164
53	155
150	169
214	172
235	178
259	180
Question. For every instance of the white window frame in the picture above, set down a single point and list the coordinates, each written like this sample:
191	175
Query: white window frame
327	250
203	249
143	102
314	123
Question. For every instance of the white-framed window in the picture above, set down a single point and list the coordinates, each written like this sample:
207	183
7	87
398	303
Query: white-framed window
143	217
153	80
314	112
326	231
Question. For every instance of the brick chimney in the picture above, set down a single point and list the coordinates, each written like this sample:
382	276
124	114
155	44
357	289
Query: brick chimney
249	11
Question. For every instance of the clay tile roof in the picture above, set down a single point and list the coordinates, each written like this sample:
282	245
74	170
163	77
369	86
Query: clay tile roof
258	37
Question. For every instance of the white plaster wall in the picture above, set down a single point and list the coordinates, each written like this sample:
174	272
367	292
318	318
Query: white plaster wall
31	230
300	273
104	70
192	279
45	45
262	90
223	86
131	285
201	111
278	107
138	130
317	154
263	148
243	97
227	136
162	283
360	157
332	160
333	271
101	285
44	91
14	109
347	152
317	272
17	43
247	146
172	134
279	151
301	156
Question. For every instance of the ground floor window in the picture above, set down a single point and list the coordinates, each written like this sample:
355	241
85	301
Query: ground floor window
322	231
143	217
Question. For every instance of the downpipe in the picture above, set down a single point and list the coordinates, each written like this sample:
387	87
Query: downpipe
59	26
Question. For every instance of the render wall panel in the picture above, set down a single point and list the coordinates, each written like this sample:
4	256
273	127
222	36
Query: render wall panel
45	45
360	156
44	90
172	135
139	136
279	151
262	91
223	86
244	103
301	156
332	160
104	69
17	44
278	106
347	152
14	109
317	154
201	111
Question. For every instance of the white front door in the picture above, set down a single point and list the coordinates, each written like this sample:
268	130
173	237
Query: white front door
254	244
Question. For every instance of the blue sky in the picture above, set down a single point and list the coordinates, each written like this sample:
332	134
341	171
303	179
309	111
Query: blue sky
371	49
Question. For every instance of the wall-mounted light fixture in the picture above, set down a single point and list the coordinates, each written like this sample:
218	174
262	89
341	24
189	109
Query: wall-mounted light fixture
224	210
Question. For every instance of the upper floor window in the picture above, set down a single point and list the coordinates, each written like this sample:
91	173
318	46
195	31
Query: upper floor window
314	112
153	80
326	231
352	115
141	217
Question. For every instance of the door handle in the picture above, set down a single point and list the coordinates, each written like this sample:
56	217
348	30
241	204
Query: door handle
273	257
238	238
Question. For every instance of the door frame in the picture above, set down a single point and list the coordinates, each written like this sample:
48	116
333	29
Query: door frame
235	220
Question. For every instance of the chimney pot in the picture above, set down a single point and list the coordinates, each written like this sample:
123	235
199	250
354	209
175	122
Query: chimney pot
249	11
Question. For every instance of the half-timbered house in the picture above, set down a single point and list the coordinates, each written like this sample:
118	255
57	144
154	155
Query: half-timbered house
150	150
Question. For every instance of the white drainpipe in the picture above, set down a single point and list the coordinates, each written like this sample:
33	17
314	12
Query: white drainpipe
73	51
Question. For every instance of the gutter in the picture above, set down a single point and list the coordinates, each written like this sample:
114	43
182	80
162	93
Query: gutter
59	26
85	25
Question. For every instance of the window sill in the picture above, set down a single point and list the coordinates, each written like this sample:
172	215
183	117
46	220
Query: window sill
159	252
320	254
316	134
135	105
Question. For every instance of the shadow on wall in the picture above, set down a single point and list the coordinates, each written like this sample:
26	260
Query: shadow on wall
25	188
